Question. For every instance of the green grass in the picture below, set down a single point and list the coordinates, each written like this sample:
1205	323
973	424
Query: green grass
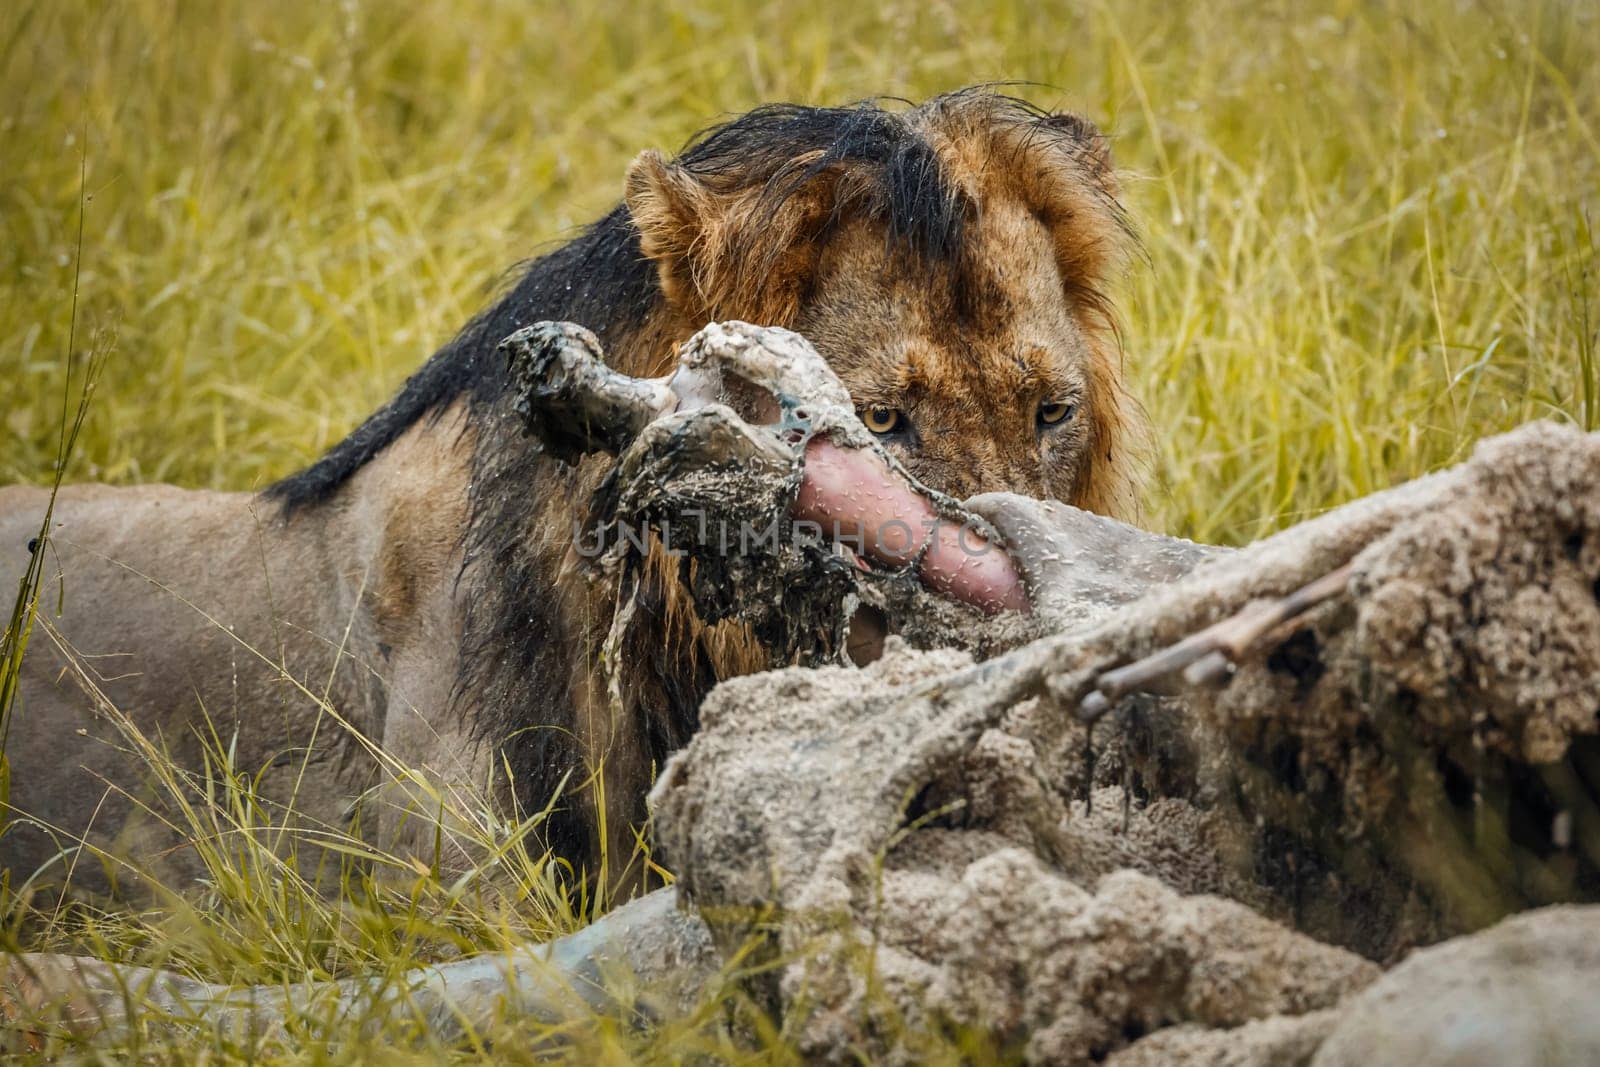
1369	235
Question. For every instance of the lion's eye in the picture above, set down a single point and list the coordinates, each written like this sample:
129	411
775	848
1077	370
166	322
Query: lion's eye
1053	412
881	419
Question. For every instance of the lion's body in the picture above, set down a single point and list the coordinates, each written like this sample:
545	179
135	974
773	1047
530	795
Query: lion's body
210	623
421	577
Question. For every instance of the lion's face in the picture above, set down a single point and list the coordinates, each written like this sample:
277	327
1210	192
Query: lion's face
948	263
978	383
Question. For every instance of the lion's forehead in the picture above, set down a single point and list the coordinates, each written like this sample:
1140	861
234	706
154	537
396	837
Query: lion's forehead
1005	307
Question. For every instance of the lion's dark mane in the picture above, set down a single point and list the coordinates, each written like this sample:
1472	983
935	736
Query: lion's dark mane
602	280
516	640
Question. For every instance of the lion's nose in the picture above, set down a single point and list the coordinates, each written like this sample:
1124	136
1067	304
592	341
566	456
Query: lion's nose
1010	482
989	470
974	465
952	475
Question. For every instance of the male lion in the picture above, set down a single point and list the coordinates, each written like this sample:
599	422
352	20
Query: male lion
415	591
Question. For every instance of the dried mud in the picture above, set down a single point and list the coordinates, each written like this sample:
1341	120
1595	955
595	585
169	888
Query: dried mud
1212	875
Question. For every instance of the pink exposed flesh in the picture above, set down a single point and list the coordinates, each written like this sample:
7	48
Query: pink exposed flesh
856	498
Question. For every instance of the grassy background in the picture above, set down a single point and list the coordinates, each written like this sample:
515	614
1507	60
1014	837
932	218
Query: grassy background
1368	224
1368	234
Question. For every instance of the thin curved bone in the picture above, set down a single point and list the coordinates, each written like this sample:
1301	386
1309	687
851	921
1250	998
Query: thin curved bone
779	361
1210	654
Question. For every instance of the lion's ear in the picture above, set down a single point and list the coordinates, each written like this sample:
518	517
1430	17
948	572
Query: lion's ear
728	250
669	207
